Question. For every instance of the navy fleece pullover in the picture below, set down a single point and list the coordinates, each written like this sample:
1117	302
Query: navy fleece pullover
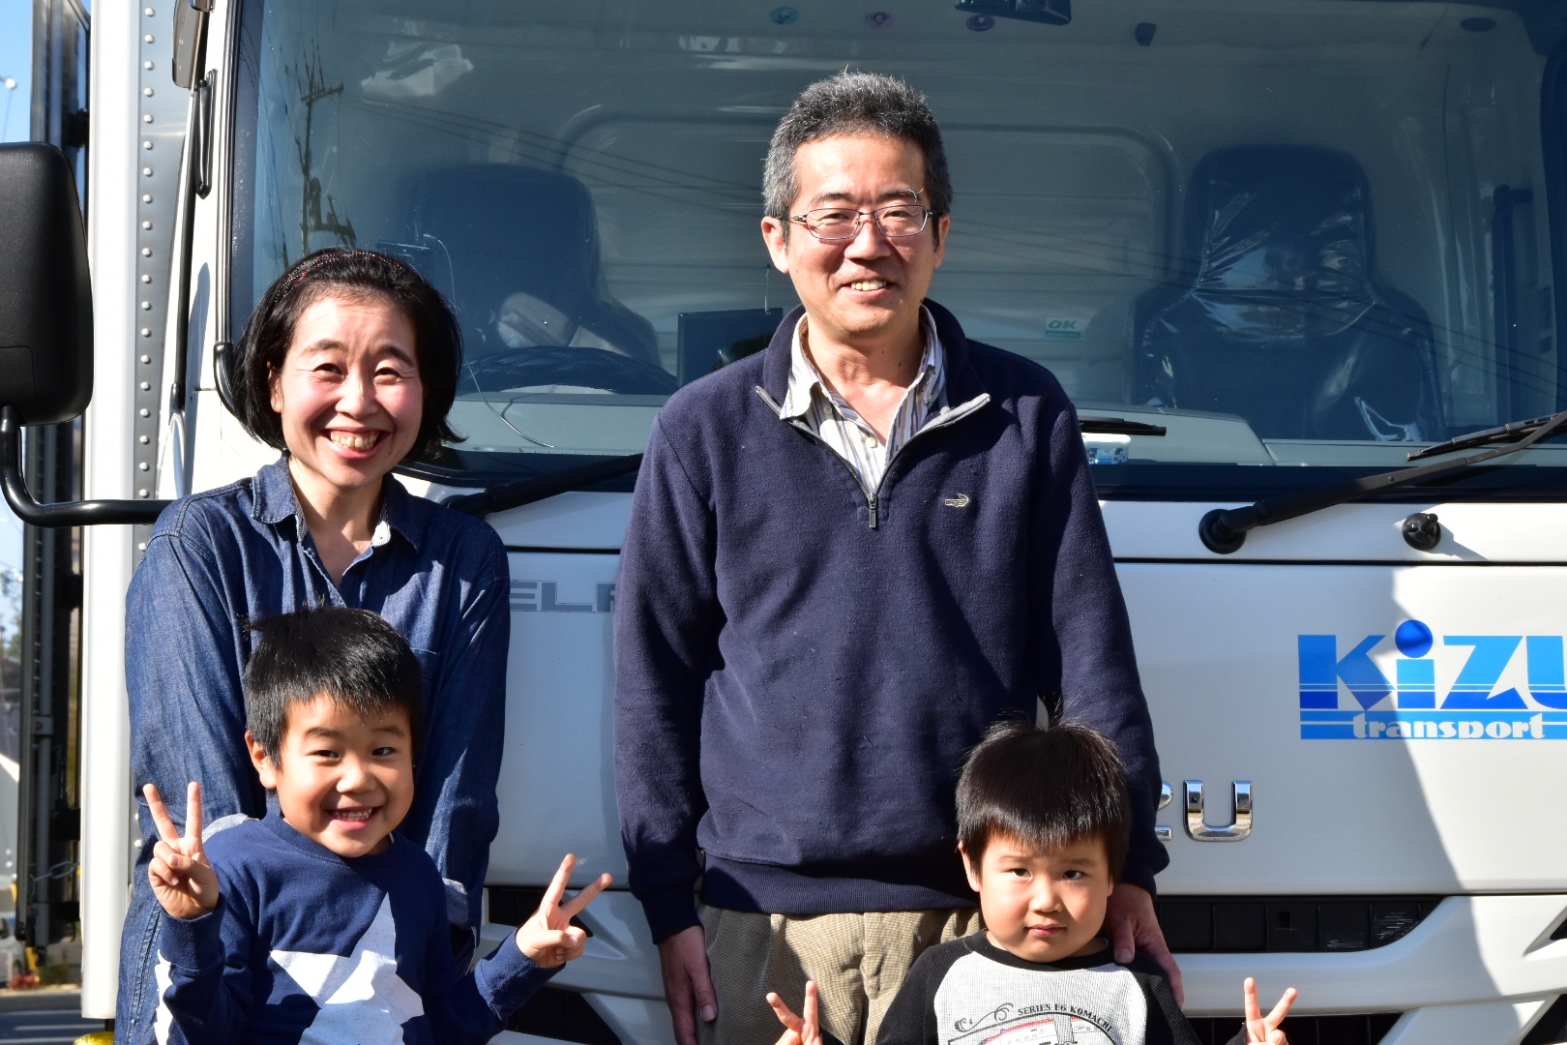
800	668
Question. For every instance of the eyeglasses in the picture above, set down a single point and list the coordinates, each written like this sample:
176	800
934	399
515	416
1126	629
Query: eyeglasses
836	224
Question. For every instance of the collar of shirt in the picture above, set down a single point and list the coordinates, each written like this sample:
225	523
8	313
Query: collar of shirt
804	379
274	501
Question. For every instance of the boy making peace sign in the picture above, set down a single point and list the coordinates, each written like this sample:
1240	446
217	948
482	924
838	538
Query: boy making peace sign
1043	827
318	923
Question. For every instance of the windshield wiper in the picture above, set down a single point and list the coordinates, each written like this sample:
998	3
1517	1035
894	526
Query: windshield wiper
1508	433
1224	530
537	487
1118	426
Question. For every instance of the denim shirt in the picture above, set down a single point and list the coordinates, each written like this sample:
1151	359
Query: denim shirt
221	557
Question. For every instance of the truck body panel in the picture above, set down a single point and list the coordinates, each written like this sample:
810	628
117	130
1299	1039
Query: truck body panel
1415	769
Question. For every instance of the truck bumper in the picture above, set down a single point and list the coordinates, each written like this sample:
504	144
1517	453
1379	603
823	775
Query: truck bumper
1480	970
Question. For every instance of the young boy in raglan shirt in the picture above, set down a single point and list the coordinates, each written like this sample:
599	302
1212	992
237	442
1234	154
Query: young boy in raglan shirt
1043	826
319	923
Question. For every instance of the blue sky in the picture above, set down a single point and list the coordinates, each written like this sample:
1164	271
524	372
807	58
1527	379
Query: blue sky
16	57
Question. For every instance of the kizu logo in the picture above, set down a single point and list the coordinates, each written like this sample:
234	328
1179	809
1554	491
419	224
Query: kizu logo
1421	687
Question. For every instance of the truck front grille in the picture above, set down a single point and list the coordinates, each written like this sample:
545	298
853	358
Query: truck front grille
515	904
1291	923
565	1016
1551	1027
1367	1029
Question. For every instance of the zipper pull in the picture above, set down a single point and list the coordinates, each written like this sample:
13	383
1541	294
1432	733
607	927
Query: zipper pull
871	504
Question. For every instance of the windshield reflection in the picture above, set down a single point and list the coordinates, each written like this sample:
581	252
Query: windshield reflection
1293	278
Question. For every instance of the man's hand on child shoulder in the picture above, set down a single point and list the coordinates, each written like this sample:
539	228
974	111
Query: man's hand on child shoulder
805	1029
548	938
182	879
1265	1030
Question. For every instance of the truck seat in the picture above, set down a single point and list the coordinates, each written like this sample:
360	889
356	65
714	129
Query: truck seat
522	246
1280	317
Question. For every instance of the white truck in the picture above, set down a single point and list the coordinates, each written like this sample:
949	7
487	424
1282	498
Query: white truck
1272	248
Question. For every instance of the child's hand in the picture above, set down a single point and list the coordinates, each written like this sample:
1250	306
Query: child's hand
1261	1029
548	938
182	880
801	1030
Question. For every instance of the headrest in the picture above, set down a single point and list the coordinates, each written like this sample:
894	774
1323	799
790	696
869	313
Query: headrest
1264	220
511	228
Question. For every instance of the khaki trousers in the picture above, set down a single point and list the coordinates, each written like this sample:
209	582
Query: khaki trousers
857	960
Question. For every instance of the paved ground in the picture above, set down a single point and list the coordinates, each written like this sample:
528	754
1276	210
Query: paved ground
44	1028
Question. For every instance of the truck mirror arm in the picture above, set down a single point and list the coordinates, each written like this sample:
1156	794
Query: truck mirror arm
223	375
65	513
1223	530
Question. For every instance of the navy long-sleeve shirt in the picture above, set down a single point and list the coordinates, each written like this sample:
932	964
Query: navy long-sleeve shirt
801	667
308	946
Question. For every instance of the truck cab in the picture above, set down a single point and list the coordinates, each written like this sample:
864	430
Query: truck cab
1271	249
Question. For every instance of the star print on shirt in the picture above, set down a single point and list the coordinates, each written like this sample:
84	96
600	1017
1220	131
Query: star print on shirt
361	996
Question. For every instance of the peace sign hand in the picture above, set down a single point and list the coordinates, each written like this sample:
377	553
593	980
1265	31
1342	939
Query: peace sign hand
548	938
799	1030
1265	1029
182	880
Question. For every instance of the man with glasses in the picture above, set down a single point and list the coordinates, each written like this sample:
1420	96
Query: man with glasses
849	555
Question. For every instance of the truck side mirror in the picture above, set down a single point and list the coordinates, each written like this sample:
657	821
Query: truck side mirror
46	342
45	290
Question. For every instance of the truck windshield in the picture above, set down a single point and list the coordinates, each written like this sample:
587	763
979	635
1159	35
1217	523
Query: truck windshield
1308	233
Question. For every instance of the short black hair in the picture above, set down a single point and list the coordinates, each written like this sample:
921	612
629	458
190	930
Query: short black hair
353	656
1045	788
353	273
854	103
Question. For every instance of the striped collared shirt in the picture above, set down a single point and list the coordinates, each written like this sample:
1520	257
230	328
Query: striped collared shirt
840	426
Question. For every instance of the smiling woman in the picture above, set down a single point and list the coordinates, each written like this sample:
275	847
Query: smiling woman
348	393
349	366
